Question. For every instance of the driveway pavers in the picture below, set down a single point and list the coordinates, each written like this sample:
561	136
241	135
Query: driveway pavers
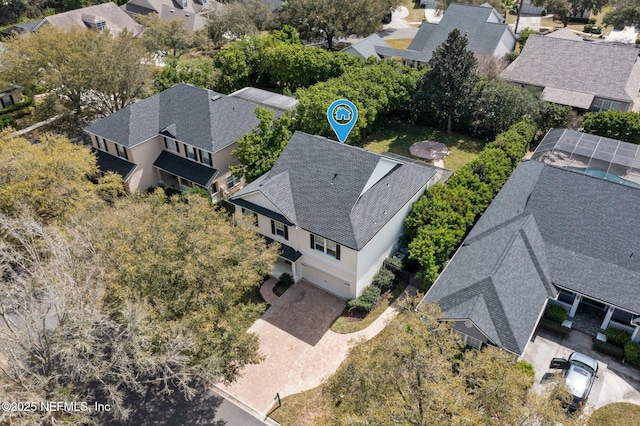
299	349
616	382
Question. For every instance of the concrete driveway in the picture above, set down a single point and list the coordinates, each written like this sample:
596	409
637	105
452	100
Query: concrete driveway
616	382
299	349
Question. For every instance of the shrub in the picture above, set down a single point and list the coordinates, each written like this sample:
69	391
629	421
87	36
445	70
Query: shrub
384	279
617	337
632	352
26	102
624	126
7	121
367	300
196	190
526	368
393	263
284	282
587	28
608	349
554	327
593	21
556	313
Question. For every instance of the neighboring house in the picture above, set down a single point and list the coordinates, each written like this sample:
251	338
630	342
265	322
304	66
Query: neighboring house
193	12
483	26
179	138
266	99
336	210
565	235
10	96
99	17
367	47
586	75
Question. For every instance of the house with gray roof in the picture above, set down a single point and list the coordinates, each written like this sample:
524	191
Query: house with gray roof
586	75
336	210
483	26
555	234
179	138
192	12
99	17
367	47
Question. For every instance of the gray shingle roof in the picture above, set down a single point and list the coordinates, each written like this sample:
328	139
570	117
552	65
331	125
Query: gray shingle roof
595	68
547	224
116	19
185	168
325	187
198	117
367	47
111	163
484	37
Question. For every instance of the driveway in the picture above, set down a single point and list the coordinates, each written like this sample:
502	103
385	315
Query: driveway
616	382
299	349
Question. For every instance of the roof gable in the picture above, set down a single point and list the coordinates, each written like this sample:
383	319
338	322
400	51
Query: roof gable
115	18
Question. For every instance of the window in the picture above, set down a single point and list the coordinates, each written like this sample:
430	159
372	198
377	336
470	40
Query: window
328	247
7	101
232	181
122	152
470	342
251	216
171	145
191	152
280	229
184	4
101	25
101	143
205	158
605	105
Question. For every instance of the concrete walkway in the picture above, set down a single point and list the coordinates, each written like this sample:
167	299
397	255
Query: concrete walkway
267	291
627	35
299	349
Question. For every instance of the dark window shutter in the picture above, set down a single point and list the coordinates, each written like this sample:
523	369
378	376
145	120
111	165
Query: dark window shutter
286	232
166	145
337	251
178	147
311	235
126	156
273	227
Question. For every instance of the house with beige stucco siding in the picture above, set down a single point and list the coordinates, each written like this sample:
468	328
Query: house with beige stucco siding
337	211
179	138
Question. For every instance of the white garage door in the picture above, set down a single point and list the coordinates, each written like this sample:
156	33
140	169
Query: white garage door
326	281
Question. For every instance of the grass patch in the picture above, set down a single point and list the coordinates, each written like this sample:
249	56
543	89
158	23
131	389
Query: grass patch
302	409
416	12
399	43
398	137
344	324
619	413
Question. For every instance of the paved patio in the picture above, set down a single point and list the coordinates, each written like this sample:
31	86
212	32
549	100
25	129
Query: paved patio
299	349
616	382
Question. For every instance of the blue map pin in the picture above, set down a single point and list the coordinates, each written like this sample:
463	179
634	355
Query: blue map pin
342	115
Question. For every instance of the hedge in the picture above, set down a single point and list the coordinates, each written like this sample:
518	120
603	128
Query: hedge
554	327
440	219
26	102
608	349
617	337
384	279
556	313
367	300
624	126
632	352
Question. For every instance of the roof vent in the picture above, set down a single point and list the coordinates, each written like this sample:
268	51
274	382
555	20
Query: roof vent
335	175
171	10
216	97
186	14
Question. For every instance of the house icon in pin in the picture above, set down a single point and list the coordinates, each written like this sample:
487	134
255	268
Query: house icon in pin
343	114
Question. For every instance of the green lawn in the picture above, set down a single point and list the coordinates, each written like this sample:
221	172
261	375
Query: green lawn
398	137
416	13
617	414
399	43
301	409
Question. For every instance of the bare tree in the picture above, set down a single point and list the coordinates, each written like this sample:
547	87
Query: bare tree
59	341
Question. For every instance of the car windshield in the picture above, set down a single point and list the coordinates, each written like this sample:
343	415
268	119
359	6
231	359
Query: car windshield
577	379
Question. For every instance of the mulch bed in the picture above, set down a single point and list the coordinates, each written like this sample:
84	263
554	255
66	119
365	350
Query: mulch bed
356	315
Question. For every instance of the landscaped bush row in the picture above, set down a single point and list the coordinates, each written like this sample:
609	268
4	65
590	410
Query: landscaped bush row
367	299
8	115
556	313
608	349
26	102
554	327
624	126
617	337
632	352
440	219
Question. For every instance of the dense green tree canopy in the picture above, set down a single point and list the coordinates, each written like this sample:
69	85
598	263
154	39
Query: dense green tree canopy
170	37
199	72
51	178
416	372
330	19
258	151
444	92
626	12
624	126
91	72
574	7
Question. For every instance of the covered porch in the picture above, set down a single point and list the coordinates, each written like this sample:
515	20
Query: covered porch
593	317
287	261
181	174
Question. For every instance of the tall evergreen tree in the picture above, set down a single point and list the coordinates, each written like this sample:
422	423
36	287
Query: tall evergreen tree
445	90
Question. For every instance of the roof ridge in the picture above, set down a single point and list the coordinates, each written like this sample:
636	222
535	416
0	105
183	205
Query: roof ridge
495	228
534	257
